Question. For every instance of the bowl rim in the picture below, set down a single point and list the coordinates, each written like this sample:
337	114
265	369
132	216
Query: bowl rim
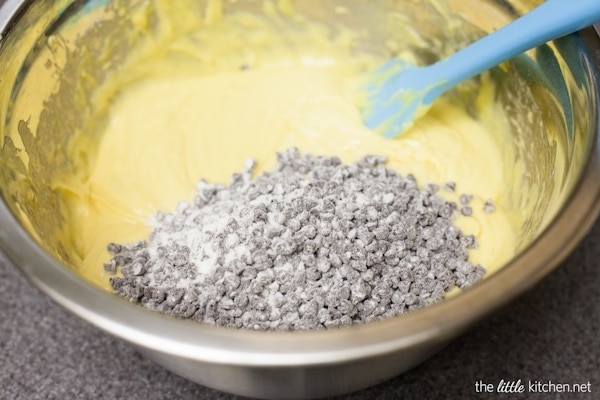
435	324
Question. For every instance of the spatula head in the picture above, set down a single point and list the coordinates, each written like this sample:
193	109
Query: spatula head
397	94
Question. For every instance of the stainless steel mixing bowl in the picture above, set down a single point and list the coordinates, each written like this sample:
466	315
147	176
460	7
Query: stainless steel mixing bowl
550	99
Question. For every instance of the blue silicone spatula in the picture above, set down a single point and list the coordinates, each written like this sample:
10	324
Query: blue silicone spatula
398	92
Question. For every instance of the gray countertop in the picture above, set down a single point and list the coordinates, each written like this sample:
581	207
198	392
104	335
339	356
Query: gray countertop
551	334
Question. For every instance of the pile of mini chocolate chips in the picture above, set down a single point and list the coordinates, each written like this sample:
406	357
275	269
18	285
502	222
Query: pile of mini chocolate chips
312	244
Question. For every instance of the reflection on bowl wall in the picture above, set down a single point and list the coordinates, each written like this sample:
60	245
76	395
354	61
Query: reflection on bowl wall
55	54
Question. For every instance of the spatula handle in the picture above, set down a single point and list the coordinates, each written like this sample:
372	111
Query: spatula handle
550	20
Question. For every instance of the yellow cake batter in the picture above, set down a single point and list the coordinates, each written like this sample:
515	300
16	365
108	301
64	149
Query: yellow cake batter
202	96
